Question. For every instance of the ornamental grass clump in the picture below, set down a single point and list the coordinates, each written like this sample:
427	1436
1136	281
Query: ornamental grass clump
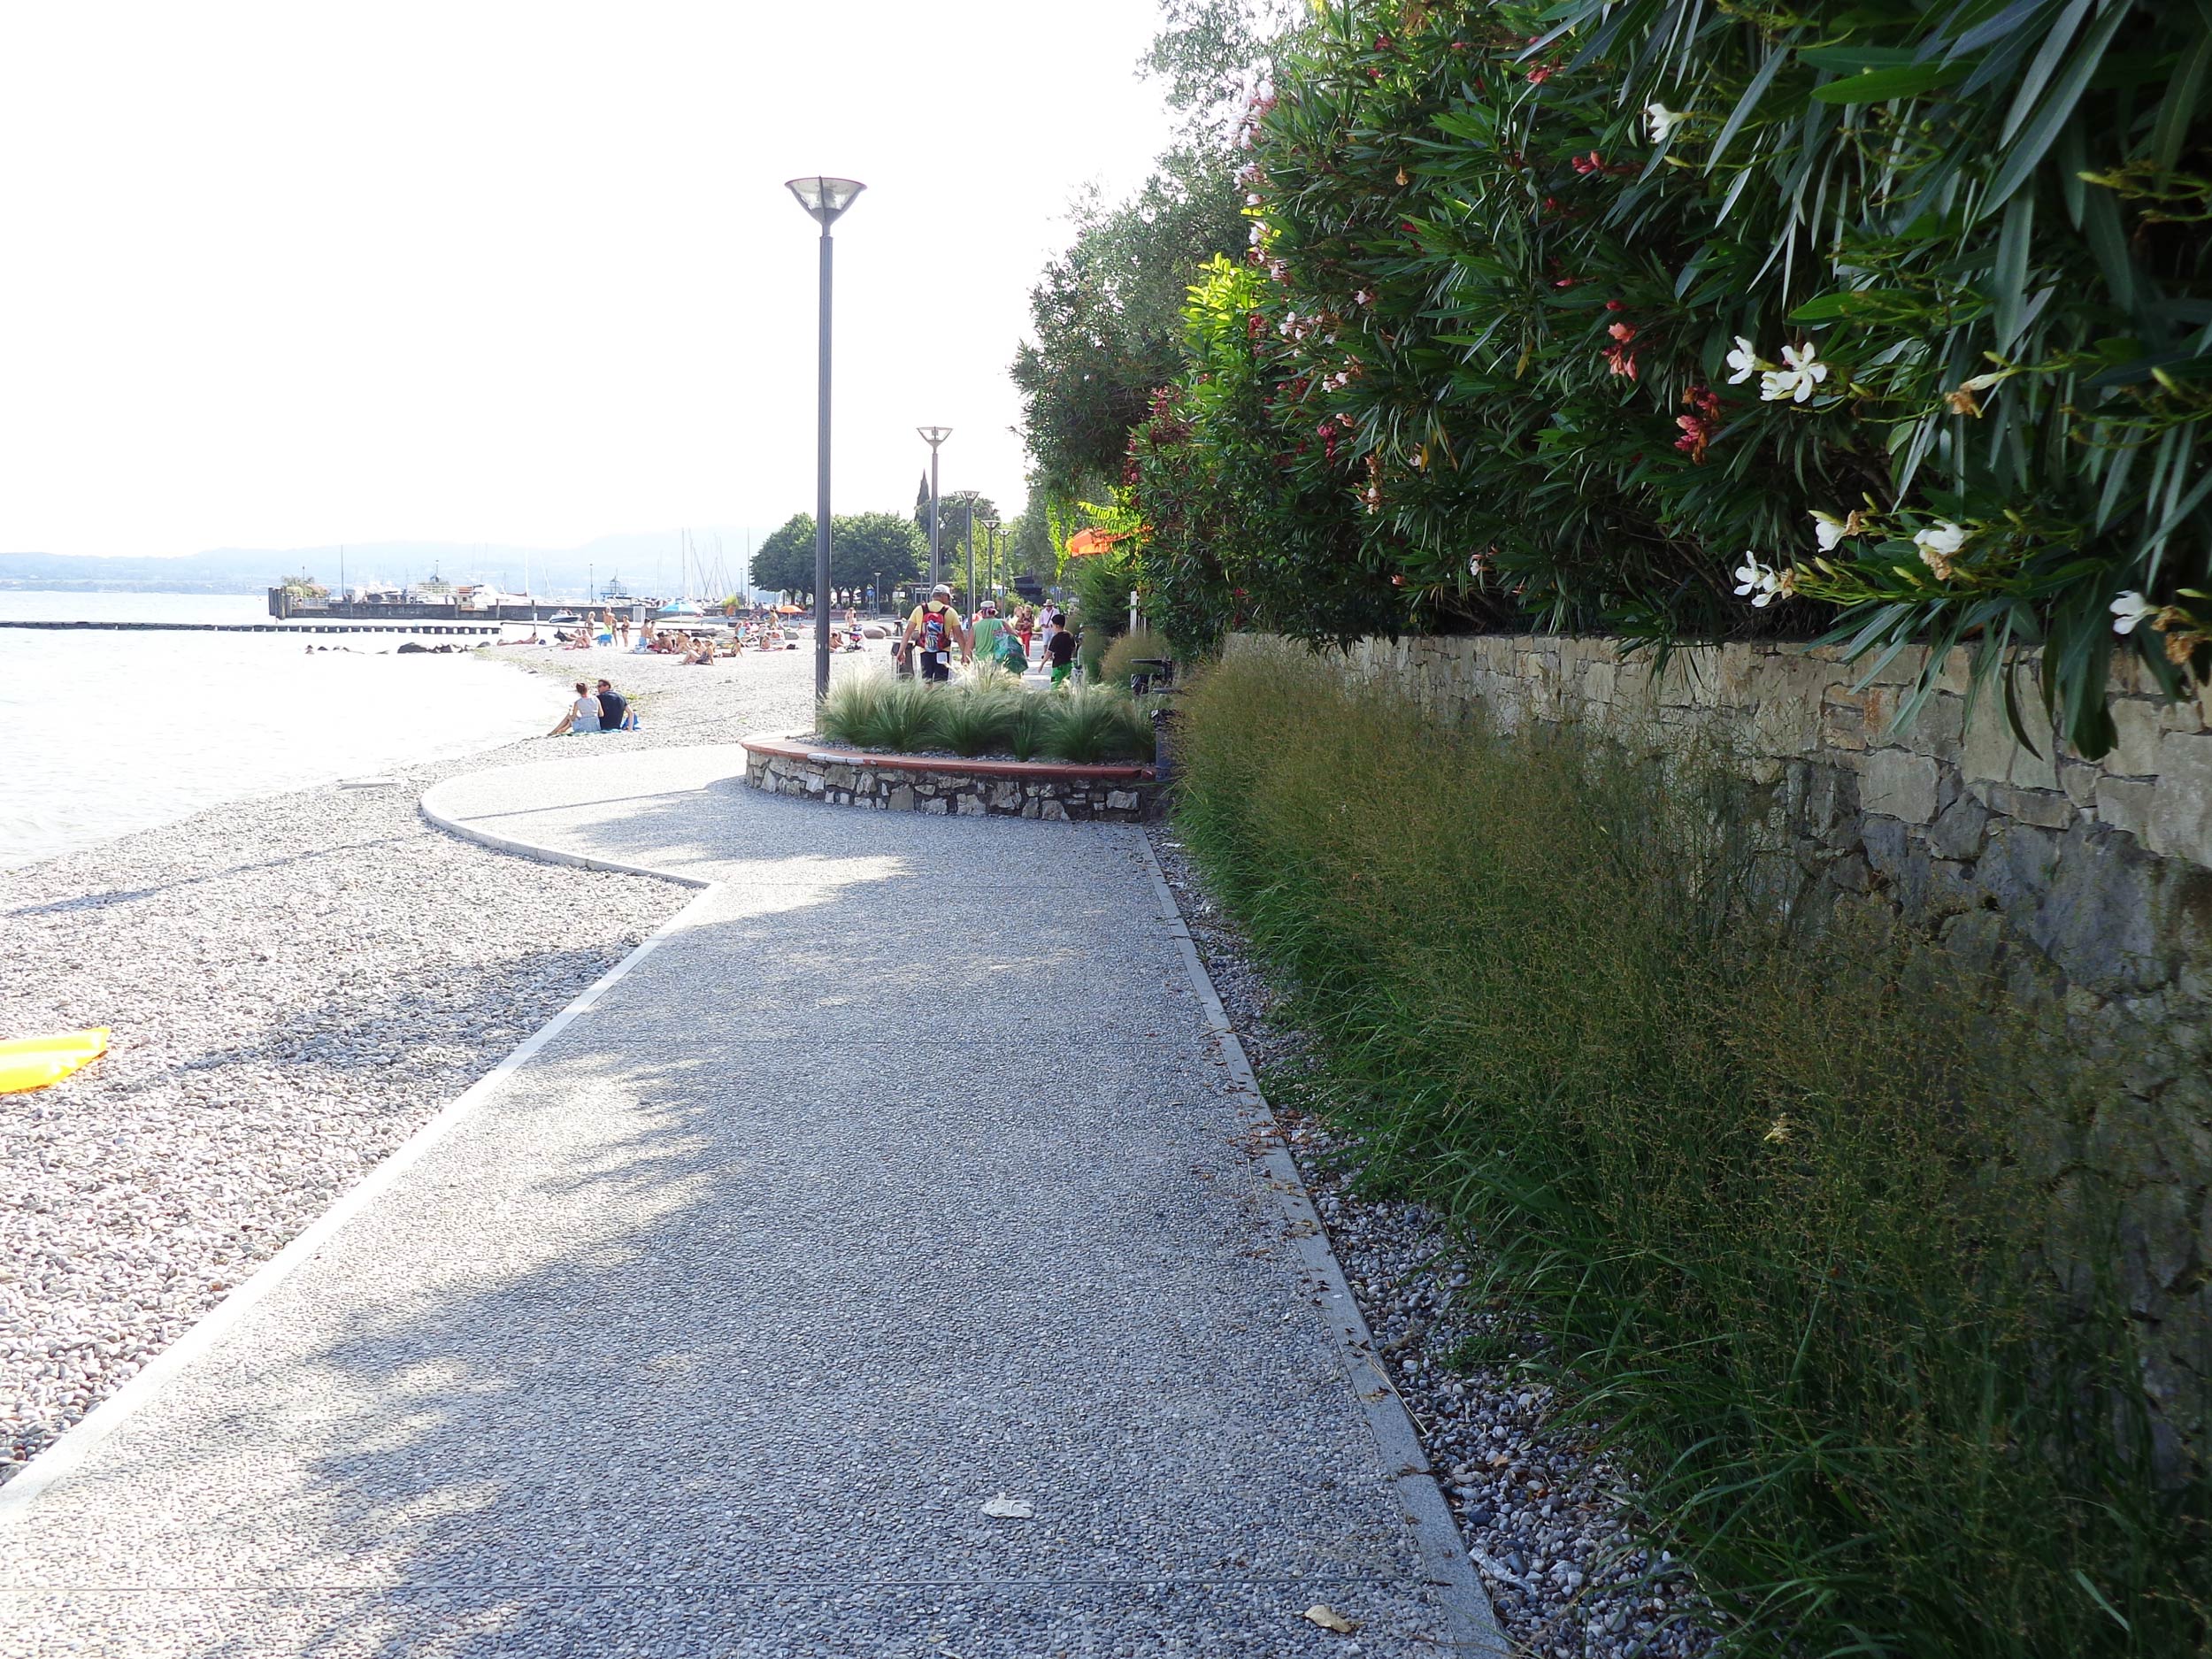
1093	724
1029	726
1778	1200
972	720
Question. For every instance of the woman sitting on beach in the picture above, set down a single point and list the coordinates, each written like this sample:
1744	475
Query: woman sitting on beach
583	716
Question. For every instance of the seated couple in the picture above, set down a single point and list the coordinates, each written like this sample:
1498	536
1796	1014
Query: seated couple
600	711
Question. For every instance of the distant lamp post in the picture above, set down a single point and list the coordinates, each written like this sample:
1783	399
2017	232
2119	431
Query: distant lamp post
824	200
933	437
990	556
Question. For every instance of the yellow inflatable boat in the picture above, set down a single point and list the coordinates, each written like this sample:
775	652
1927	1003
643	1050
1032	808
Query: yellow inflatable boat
35	1061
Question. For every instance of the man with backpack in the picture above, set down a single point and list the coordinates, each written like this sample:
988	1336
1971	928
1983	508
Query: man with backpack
932	632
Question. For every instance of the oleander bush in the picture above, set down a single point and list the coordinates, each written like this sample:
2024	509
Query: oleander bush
1773	1196
1675	319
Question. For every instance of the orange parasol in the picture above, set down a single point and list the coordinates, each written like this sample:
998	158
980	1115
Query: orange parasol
789	611
1083	543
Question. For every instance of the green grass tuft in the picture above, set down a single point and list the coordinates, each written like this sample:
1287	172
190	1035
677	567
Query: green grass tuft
1093	724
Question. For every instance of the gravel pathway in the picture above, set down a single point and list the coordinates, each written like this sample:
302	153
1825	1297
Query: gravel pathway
295	985
819	1290
1549	1520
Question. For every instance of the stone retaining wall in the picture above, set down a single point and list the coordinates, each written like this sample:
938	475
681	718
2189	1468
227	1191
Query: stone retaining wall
2095	876
1053	791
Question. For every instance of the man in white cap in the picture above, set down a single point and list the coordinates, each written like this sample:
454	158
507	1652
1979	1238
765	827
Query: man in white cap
932	632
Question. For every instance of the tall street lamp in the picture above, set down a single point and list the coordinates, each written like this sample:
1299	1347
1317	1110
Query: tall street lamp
933	437
990	556
823	199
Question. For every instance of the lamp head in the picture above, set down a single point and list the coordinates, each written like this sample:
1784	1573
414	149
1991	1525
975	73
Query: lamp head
825	199
934	435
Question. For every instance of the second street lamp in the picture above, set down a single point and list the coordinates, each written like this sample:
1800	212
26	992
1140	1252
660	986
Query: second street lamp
823	199
933	437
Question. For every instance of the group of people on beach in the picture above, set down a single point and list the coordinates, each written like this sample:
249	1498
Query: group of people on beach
936	630
597	709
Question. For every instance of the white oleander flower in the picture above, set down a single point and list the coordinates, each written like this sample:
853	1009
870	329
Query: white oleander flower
1828	530
2130	609
1761	584
1939	544
1802	370
1660	121
1744	359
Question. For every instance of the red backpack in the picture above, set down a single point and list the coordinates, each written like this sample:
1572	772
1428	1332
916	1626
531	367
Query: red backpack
936	630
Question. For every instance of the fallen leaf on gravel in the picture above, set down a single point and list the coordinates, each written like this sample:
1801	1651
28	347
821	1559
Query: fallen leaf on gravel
1005	1509
1329	1618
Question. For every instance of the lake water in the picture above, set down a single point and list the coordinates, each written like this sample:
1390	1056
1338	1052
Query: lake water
110	731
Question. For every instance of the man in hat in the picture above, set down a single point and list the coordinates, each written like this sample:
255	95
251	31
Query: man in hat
933	631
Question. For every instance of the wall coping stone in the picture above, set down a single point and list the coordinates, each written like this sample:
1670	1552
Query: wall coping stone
1043	770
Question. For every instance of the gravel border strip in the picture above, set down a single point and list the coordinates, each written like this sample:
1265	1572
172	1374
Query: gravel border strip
63	1454
1475	1626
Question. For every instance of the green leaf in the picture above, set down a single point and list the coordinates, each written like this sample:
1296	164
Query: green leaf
1850	59
2057	110
1749	102
1882	86
2179	107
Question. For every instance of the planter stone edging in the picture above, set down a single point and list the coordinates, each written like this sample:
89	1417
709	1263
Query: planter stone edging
1055	791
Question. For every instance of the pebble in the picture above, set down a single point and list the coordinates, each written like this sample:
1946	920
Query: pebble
1551	1522
295	984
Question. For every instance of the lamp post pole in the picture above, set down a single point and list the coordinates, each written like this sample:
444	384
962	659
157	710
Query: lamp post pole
823	199
933	437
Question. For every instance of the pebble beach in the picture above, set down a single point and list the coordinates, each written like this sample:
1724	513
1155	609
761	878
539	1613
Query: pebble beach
295	984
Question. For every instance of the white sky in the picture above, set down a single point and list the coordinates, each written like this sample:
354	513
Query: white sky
522	271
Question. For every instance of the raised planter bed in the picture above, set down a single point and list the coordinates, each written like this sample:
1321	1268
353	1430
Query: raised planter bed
1061	791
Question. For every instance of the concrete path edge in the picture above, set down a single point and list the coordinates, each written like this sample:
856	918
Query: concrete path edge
1475	1624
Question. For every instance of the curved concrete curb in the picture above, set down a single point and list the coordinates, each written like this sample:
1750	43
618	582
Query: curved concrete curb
1474	1625
429	806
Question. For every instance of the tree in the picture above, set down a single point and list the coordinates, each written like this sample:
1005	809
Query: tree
1031	549
1107	316
864	547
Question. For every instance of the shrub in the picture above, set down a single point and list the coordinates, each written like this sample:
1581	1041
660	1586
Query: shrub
1115	664
1092	723
1774	1195
1553	311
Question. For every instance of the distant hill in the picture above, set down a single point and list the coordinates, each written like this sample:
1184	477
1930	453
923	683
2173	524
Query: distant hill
646	561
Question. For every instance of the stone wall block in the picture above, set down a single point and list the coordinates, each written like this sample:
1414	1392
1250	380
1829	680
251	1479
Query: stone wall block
2135	753
2048	808
2181	808
1993	755
1958	829
2125	803
1899	783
